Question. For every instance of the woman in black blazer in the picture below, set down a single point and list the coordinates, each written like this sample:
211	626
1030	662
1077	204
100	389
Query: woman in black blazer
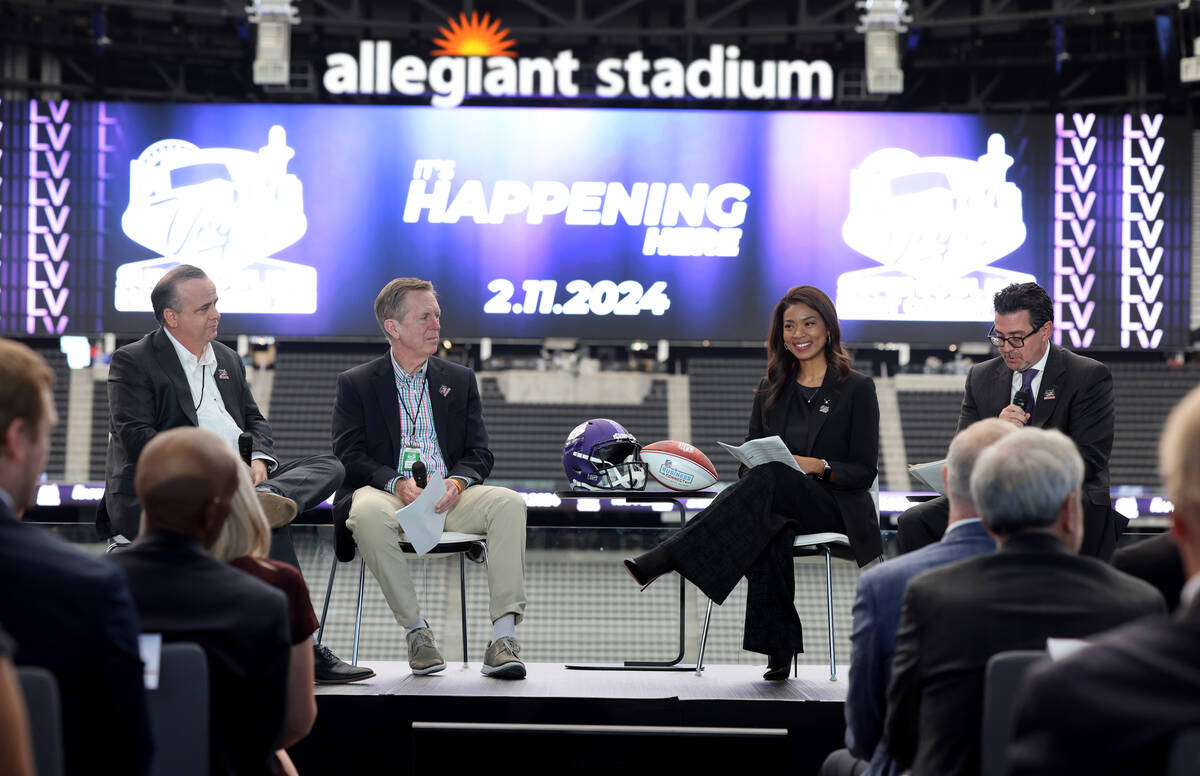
828	416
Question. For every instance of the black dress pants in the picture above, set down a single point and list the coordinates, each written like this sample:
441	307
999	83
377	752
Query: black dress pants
747	532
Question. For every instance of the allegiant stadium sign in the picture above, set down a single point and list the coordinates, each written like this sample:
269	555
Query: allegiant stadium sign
475	58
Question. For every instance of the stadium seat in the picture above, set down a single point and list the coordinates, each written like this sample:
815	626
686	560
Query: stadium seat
1002	679
40	689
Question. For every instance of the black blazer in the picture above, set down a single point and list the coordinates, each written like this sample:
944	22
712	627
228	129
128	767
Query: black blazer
241	622
847	436
147	393
1115	707
71	613
956	617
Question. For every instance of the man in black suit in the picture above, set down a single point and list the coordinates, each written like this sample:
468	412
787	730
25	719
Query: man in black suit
1033	382
180	376
186	478
67	611
1116	706
408	406
1027	487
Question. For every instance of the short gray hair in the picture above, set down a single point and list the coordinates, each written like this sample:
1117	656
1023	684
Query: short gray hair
1021	481
392	302
964	451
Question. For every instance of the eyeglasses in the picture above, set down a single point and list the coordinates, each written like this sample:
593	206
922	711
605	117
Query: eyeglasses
1013	342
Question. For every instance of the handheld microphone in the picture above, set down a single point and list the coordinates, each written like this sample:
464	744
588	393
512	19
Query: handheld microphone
246	446
1021	399
418	474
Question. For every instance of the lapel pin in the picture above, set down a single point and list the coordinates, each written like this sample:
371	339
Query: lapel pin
1048	394
222	374
444	391
825	405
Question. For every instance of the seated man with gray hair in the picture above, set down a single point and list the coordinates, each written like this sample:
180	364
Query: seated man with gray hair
954	618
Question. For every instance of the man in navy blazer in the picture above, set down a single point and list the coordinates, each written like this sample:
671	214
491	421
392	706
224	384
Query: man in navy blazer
1062	390
877	608
409	406
1117	706
67	611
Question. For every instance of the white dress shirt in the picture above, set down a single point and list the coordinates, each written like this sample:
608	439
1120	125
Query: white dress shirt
211	413
1036	385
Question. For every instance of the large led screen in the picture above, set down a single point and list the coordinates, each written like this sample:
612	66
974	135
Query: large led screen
595	223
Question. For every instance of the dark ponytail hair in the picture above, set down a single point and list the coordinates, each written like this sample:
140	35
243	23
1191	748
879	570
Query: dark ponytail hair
782	366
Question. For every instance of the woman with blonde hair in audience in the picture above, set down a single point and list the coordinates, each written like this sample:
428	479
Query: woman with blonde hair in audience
244	542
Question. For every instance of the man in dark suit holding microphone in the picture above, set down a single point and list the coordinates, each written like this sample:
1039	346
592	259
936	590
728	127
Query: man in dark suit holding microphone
1036	383
409	407
179	375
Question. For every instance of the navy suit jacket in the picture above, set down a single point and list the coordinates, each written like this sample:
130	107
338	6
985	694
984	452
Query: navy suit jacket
873	640
148	393
71	613
1114	707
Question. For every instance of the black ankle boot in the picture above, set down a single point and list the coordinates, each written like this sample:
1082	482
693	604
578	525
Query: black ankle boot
649	566
777	665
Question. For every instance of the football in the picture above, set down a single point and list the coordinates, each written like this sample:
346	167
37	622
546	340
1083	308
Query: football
679	466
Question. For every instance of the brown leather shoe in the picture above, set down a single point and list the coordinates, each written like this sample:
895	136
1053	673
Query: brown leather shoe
279	510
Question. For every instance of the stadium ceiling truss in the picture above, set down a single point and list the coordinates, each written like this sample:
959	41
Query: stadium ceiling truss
983	55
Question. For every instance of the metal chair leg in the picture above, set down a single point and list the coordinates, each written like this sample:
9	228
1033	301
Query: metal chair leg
703	638
328	592
462	591
829	605
362	575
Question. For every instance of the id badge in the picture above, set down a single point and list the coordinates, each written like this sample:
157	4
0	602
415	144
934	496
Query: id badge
409	456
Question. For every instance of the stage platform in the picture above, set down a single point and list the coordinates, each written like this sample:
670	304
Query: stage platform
571	721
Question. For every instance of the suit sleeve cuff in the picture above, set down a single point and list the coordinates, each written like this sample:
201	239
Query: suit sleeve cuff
272	464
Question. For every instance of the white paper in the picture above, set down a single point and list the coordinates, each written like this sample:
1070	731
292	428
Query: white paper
929	474
421	525
1060	648
759	451
150	650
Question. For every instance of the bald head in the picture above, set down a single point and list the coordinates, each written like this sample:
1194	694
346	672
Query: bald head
185	480
960	462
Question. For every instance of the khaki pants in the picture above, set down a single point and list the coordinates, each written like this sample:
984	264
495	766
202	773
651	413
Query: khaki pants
482	509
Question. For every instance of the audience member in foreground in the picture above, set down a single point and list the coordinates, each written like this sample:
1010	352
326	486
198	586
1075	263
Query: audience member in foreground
877	606
1156	560
1116	706
68	611
1027	488
186	479
16	746
244	542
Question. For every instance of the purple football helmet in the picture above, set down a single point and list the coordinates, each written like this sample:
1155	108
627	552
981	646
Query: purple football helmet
600	454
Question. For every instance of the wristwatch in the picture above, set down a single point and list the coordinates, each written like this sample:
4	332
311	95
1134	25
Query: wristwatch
828	470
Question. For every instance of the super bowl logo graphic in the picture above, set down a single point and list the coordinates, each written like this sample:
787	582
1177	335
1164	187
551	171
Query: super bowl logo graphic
935	224
225	210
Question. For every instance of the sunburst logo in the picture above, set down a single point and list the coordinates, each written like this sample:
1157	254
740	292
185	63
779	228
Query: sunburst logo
474	37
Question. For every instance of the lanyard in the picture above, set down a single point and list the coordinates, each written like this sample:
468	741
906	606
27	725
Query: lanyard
412	416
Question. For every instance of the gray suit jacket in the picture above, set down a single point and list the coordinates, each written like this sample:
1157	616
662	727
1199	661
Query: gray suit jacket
873	639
